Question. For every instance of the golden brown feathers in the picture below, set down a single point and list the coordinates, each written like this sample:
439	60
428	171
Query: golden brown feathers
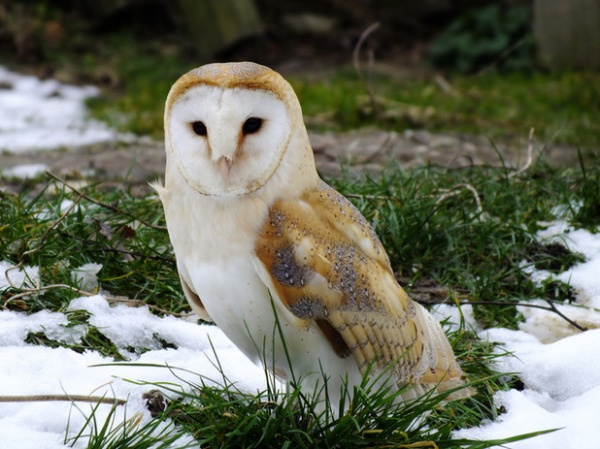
329	267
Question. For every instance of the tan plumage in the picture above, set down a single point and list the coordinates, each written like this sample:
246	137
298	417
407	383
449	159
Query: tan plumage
250	220
328	267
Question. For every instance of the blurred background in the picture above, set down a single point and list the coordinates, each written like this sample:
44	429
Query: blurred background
473	67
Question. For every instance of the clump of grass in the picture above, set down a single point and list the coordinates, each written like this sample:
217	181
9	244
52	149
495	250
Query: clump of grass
131	433
145	72
368	416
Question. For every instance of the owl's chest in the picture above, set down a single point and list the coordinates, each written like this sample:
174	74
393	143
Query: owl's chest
232	293
239	302
216	256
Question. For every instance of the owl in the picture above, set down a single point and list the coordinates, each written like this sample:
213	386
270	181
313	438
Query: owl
286	266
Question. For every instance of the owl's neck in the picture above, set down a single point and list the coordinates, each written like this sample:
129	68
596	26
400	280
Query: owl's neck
296	173
223	226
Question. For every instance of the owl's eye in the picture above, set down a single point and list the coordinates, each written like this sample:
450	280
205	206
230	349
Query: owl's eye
252	125
199	128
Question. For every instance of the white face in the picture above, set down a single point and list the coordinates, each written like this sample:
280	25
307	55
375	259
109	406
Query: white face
227	141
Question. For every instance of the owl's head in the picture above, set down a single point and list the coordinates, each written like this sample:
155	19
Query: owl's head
230	127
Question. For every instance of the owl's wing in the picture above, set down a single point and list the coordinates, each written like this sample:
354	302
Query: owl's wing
327	266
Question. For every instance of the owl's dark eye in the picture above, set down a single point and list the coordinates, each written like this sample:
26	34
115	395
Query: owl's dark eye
199	128
252	125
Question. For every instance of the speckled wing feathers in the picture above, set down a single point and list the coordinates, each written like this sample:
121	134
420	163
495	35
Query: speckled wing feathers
328	266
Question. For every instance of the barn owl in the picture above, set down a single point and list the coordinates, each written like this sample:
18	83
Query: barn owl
285	265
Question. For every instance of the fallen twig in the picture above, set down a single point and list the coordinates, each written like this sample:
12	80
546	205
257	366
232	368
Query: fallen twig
446	87
551	308
554	309
111	299
64	398
454	191
530	157
368	197
139	302
356	62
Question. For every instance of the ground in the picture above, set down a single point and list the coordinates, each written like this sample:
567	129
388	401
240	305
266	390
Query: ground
140	160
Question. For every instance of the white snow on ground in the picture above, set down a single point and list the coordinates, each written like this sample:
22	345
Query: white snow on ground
25	171
18	277
45	115
38	370
559	366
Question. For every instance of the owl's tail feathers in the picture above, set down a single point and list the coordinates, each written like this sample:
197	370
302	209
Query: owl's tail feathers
443	373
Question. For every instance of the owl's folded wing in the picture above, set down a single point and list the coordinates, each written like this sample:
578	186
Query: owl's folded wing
328	267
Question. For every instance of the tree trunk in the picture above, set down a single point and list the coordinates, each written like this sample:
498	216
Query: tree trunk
215	24
567	33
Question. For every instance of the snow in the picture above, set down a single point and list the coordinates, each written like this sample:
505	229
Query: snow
85	276
585	278
25	171
15	277
45	115
28	369
558	364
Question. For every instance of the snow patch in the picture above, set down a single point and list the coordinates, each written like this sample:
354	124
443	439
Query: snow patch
45	115
13	277
25	171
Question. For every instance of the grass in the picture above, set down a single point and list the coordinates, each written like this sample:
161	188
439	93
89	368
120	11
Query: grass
137	73
129	434
137	64
229	418
469	231
122	233
563	107
145	73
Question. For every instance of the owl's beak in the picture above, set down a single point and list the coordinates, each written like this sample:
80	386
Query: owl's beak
225	166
